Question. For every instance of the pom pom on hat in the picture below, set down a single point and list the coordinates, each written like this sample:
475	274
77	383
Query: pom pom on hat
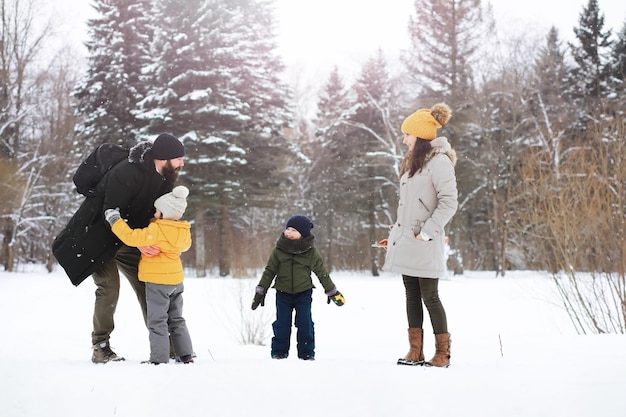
172	205
301	223
424	123
167	147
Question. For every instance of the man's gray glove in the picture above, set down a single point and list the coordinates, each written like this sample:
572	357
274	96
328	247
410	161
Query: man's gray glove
112	215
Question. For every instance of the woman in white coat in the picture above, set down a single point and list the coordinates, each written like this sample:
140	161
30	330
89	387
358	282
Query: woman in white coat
416	243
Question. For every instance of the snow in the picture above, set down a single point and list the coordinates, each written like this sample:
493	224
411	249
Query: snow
514	353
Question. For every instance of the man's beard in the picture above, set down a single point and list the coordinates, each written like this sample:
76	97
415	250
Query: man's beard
170	173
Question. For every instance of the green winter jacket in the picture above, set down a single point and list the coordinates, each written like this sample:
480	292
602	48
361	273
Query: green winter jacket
291	263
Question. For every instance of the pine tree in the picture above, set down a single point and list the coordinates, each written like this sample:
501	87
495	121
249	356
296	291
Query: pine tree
332	104
618	70
328	184
550	69
355	172
589	77
258	82
549	110
113	85
445	37
377	122
214	84
185	68
543	139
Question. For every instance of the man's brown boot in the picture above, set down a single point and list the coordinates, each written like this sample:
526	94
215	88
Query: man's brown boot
102	353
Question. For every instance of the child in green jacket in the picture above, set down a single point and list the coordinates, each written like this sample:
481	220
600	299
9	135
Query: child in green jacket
291	263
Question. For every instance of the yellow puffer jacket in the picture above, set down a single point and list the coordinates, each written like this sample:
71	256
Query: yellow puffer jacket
171	236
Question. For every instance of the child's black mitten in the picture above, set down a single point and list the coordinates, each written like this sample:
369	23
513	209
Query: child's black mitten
259	297
336	297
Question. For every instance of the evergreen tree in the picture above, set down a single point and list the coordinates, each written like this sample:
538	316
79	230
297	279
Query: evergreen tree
259	68
549	110
113	85
544	117
550	69
332	104
618	70
445	39
589	76
327	181
374	160
445	36
355	168
185	69
214	84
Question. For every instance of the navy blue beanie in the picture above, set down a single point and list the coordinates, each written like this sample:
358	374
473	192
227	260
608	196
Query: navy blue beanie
301	223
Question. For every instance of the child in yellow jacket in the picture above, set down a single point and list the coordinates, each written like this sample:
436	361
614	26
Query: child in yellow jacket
162	273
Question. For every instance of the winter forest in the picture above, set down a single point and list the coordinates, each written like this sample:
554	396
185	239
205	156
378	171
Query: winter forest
538	126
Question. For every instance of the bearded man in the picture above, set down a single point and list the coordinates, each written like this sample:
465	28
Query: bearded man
131	186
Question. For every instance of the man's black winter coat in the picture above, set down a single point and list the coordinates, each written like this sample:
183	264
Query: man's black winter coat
87	241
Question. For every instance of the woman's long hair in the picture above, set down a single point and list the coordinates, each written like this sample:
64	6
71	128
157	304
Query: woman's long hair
415	159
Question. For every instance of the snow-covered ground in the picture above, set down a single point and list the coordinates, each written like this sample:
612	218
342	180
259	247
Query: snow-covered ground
514	353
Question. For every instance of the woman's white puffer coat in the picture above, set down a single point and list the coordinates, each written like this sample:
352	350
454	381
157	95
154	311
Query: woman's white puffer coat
428	200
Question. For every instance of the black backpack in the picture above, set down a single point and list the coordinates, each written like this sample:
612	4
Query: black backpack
96	165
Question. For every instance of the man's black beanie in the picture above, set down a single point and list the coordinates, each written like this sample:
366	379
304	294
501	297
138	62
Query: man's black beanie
167	147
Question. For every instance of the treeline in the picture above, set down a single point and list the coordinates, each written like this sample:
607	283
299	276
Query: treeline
538	126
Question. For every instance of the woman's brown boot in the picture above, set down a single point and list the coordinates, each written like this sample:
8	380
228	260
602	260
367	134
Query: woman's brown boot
415	356
442	351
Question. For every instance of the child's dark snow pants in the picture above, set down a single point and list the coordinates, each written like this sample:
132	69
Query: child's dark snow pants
305	336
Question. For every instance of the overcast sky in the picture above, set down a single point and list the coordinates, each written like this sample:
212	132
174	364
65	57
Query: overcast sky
315	35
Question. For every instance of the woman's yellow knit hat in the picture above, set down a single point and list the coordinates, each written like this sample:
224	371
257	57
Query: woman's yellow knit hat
424	123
